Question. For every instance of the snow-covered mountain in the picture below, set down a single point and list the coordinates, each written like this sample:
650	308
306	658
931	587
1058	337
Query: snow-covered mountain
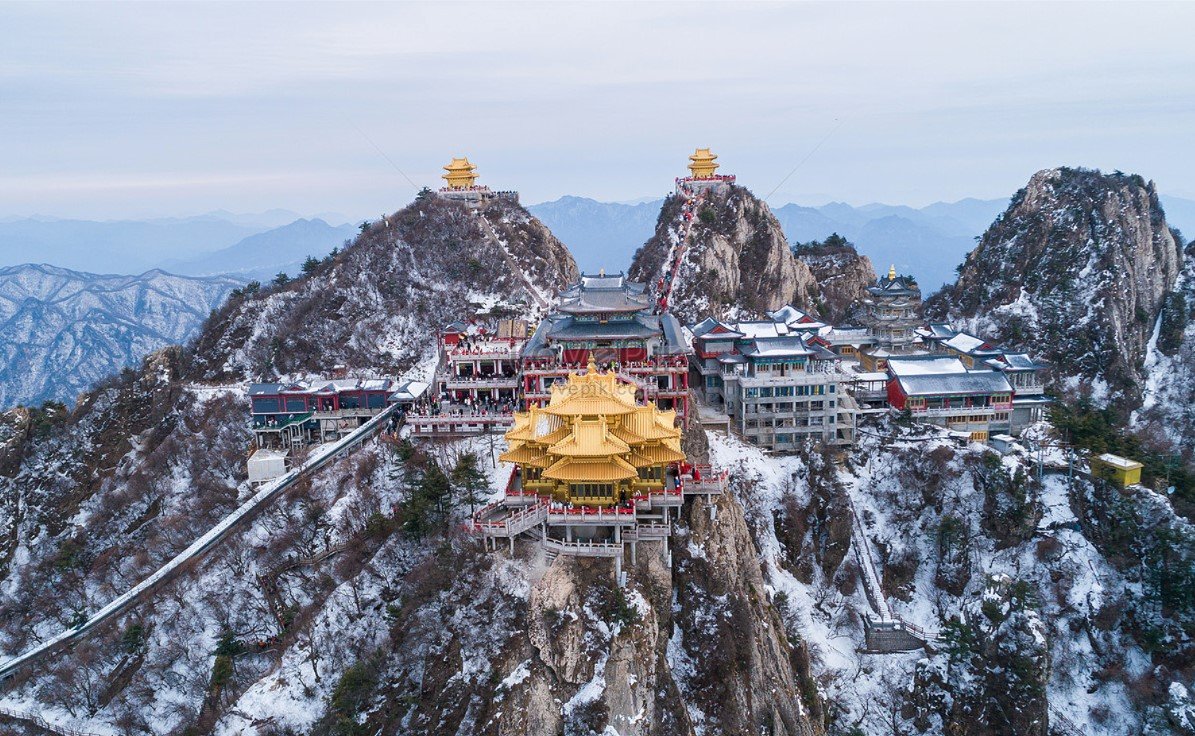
725	254
355	603
929	241
61	330
1078	269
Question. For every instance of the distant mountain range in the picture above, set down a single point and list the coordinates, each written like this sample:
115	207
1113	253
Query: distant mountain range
599	234
928	242
62	330
262	255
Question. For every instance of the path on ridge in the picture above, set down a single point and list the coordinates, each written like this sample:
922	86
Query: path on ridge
267	493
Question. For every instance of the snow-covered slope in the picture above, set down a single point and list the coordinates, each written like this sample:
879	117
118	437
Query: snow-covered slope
1071	637
734	260
377	304
1076	271
61	330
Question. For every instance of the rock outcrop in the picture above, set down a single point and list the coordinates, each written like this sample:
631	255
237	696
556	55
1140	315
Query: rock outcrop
374	305
842	275
1077	270
734	262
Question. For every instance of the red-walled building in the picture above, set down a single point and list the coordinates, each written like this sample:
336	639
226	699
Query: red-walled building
613	321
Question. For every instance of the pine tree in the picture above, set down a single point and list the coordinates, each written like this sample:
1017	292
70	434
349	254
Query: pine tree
469	480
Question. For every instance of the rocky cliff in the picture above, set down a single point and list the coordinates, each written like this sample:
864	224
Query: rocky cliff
1077	270
733	261
842	276
375	304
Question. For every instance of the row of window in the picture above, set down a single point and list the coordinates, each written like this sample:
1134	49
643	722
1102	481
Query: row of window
767	392
300	405
789	422
591	490
786	406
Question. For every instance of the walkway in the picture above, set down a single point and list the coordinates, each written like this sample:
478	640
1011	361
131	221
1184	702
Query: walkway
885	631
42	723
676	254
268	492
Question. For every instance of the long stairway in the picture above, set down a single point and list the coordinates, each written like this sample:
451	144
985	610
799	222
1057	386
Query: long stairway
884	631
676	254
217	534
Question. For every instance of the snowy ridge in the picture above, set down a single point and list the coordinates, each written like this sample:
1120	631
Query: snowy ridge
62	330
268	492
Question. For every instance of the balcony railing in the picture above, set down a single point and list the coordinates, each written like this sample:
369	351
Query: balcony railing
955	411
466	383
801	378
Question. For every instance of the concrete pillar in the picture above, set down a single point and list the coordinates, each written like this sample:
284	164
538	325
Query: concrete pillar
512	546
634	553
618	570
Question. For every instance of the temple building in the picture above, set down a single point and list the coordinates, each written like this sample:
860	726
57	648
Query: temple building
613	322
460	184
941	390
703	173
775	379
479	361
702	163
891	314
298	412
594	469
459	174
1024	374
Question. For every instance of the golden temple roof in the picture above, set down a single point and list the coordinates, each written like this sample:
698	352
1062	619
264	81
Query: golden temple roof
526	455
660	454
593	431
591	470
592	394
590	438
702	164
459	173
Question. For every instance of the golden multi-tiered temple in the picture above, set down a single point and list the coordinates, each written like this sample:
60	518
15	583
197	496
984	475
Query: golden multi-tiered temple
702	163
593	444
459	173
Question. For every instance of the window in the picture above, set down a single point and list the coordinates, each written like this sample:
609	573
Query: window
265	406
299	405
766	392
583	491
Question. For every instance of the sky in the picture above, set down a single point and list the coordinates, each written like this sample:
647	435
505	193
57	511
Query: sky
143	110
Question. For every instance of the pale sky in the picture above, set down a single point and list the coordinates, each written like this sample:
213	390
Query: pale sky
132	110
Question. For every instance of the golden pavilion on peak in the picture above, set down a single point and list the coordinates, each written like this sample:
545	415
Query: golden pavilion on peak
703	164
459	173
593	444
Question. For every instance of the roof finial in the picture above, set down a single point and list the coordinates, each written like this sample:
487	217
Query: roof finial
892	272
592	364
602	272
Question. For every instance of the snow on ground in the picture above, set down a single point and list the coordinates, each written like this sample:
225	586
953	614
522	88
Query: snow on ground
859	688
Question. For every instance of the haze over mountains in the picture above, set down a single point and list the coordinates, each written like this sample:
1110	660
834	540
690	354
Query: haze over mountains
929	242
60	346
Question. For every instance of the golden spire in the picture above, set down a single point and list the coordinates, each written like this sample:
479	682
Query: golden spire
592	365
892	272
459	173
702	163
